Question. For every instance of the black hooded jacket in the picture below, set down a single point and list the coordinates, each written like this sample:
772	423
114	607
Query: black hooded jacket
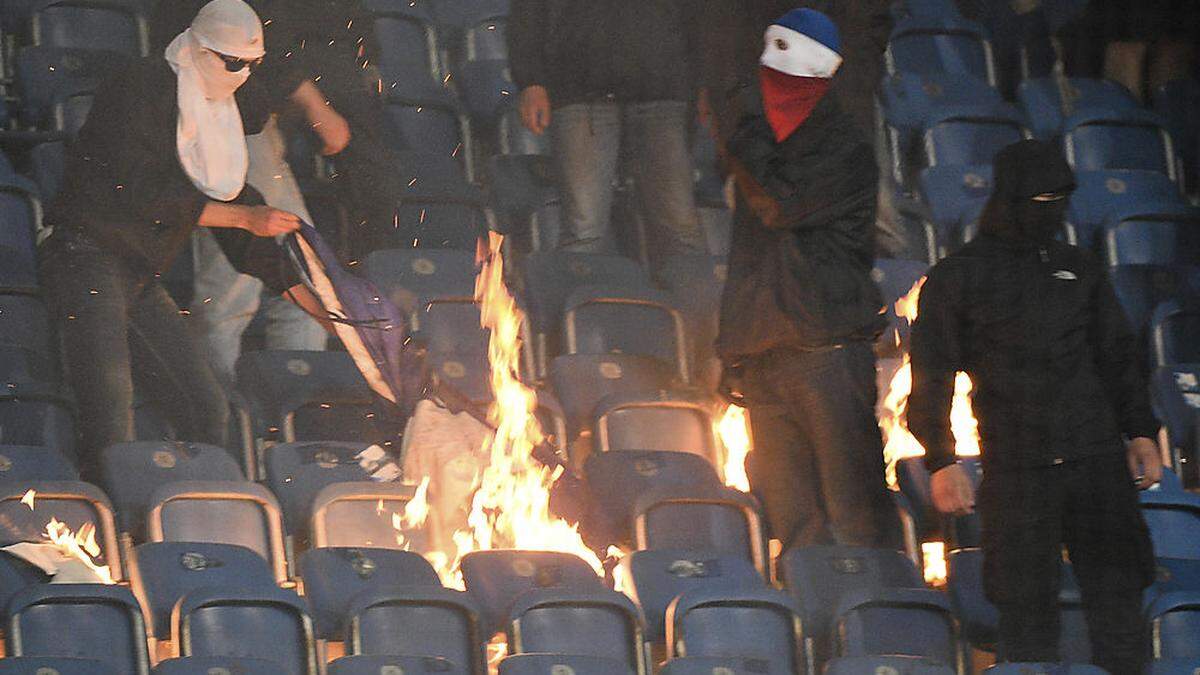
1035	323
802	251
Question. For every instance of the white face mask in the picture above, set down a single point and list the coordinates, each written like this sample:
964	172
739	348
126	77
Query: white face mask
215	79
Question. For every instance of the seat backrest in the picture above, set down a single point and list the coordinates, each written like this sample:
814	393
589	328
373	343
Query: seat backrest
220	512
1174	620
407	43
109	26
616	479
563	620
600	320
580	381
667	421
59	665
450	326
406	665
333	576
495	579
1175	332
426	127
412	277
36	416
405	620
1140	288
20	464
132	471
43	73
24	322
1176	390
27	508
1118	143
1154	239
270	624
361	513
1048	101
1174	522
550	278
104	623
296	472
161	573
540	664
969	141
212	665
867	619
1099	194
723	520
900	665
940	46
757	623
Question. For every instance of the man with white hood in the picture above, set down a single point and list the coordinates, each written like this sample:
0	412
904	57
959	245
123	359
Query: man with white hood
162	152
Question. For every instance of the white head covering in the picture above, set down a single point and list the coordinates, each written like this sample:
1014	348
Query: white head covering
208	135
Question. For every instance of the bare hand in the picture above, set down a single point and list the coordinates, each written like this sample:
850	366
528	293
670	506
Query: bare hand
1145	462
535	108
264	221
952	491
333	130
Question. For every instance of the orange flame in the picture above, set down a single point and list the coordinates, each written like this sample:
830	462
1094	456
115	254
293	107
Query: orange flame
81	546
734	430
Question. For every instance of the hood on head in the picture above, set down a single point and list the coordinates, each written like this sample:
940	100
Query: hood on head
1021	172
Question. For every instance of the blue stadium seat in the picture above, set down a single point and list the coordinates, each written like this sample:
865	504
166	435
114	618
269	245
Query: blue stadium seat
417	621
130	472
1098	139
599	320
162	573
210	665
1175	332
1176	101
103	621
1174	625
1100	193
469	374
107	25
1048	101
873	665
296	472
954	196
24	665
867	621
940	46
495	579
970	135
581	381
1165	235
1174	522
522	186
671	421
70	108
24	367
360	513
24	322
73	503
908	100
1140	288
551	276
263	623
541	664
617	479
47	74
565	620
1175	392
485	86
439	223
1173	667
412	277
46	162
654	578
20	210
730	665
405	665
749	623
16	574
332	576
924	9
219	512
469	13
432	126
20	464
408	50
450	326
1044	669
818	576
721	520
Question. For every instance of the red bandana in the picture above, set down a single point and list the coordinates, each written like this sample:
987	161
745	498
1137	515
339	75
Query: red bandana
788	99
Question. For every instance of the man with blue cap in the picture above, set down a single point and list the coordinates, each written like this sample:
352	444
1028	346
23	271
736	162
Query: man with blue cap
800	311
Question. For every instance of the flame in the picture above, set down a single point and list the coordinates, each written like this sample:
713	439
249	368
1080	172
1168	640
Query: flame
933	557
81	545
27	500
898	441
734	431
415	513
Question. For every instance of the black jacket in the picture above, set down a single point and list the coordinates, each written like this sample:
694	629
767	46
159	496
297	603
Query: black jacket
592	50
1055	367
124	188
802	250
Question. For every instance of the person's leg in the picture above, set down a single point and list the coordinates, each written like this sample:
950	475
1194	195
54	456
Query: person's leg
836	391
1021	518
661	162
86	290
225	303
169	367
783	477
1113	558
586	138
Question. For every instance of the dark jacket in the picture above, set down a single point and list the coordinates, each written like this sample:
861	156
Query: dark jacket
802	250
1038	329
592	50
125	190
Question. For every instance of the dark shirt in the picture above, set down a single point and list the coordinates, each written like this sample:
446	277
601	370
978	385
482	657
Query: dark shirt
125	190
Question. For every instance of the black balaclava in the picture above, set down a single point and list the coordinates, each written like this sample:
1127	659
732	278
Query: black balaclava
1023	171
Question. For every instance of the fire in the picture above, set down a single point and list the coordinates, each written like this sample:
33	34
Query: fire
898	442
734	431
81	546
415	513
27	500
933	558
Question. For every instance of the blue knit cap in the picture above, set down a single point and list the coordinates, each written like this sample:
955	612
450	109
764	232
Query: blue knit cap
803	42
815	25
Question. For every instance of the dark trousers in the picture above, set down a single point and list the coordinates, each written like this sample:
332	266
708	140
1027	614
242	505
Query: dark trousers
114	328
817	464
1091	507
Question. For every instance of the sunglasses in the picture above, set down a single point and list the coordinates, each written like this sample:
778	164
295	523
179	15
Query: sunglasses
235	65
1050	196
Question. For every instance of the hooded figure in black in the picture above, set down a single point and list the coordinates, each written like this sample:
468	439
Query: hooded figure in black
1065	426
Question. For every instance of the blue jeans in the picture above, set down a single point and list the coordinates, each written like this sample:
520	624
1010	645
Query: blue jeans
590	139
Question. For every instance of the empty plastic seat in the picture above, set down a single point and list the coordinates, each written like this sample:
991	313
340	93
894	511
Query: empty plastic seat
1098	139
430	126
19	212
1048	101
24	367
45	74
20	464
666	421
616	320
361	514
45	665
219	512
79	506
1175	391
970	135
1175	101
1174	625
722	520
616	479
36	415
412	277
1174	522
485	86
1166	235
757	623
730	665
333	576
213	665
1044	669
132	471
940	46
495	579
436	223
1175	332
867	622
270	624
873	665
1173	666
405	665
654	578
581	381
954	196
1140	288
46	165
1101	193
417	620
564	620
408	53
162	573
103	623
107	25
296	472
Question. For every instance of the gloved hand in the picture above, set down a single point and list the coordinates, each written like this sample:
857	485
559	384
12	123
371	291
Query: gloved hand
730	387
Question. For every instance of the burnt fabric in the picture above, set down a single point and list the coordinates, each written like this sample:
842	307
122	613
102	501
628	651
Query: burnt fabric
1091	506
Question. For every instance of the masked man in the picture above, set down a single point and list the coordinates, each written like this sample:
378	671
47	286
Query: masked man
800	311
1064	417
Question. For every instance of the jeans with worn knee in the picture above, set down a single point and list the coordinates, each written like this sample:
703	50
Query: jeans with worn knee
589	141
